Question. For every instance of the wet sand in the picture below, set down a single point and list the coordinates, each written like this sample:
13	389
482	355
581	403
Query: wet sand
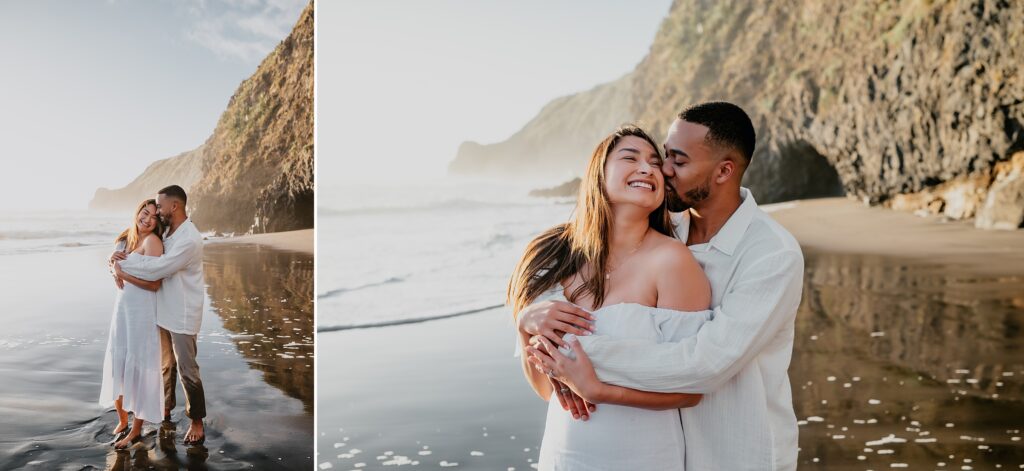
842	225
292	241
430	394
908	354
255	353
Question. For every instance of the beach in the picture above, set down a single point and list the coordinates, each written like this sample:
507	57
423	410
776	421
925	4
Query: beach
255	351
906	352
290	241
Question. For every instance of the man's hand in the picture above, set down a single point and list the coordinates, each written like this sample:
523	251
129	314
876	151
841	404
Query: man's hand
115	257
552	319
117	271
119	282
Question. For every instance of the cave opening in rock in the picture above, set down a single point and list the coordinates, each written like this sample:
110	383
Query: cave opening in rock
795	171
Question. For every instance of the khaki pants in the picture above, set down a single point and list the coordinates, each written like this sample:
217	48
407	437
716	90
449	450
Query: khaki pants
178	357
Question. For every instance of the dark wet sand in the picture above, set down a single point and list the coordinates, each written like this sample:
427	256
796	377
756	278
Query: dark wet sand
900	361
256	367
448	388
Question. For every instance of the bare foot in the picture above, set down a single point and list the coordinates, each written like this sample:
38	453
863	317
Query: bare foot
129	439
122	425
122	419
196	435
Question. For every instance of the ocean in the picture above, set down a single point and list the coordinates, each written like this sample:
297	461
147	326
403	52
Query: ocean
415	253
49	231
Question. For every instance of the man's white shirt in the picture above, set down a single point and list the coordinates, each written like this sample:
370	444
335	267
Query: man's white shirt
180	298
738	359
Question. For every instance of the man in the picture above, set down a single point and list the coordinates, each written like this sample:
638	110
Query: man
738	359
179	305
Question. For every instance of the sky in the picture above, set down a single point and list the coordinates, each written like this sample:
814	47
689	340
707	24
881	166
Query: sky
94	91
400	84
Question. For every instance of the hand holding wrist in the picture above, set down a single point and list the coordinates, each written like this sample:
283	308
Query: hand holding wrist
593	391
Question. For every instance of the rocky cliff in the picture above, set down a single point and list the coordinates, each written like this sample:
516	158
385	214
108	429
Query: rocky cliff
256	169
913	104
561	136
184	169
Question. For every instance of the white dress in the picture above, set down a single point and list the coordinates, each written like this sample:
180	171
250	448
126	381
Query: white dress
131	366
620	437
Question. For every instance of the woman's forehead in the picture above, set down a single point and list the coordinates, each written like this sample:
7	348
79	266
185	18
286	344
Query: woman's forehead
635	142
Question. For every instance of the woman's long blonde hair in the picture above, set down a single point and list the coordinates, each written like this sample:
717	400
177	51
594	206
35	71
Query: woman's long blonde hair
130	236
563	250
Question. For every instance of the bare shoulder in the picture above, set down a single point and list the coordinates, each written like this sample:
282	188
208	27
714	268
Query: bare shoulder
681	282
672	255
152	245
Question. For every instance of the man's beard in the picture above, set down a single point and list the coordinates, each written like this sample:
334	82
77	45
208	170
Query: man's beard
673	202
678	203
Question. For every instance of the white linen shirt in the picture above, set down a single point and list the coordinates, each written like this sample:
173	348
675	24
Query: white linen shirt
738	359
179	306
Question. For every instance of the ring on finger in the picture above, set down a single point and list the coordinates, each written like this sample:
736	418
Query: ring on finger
564	390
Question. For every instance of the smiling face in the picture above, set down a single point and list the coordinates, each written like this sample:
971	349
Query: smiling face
145	220
692	166
633	174
165	206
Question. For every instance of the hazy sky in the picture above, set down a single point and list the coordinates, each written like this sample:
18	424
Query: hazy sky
402	83
94	91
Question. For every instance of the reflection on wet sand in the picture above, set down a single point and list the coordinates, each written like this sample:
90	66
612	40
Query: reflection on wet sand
259	412
906	364
141	458
265	298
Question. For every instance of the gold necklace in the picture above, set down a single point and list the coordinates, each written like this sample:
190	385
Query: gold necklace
608	274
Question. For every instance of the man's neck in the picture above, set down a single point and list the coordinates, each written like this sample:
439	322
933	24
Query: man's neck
707	218
176	221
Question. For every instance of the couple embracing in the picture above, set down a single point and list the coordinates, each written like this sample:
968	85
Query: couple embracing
158	269
662	339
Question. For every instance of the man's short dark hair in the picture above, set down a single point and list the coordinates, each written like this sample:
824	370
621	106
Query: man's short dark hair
728	125
174	191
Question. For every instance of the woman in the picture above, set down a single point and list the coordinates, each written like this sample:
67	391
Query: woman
132	378
617	258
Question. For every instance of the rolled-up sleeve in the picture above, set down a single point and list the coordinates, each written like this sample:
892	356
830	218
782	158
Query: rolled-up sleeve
751	314
158	268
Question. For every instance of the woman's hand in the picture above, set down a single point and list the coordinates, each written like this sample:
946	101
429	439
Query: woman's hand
572	402
578	375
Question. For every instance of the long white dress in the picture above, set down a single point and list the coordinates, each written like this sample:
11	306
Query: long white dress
131	366
620	437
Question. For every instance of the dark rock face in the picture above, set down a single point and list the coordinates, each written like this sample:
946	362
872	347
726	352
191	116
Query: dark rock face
885	97
255	172
896	95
